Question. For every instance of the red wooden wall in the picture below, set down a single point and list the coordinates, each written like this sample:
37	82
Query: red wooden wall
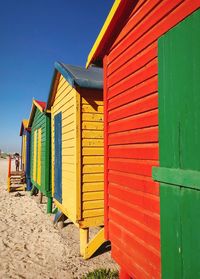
132	217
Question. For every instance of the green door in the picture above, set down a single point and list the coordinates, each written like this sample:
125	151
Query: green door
179	141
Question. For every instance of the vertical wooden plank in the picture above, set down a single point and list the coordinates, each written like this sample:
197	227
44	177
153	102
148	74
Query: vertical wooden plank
28	161
58	156
170	231
78	156
47	153
35	156
52	152
179	114
84	238
25	151
190	224
39	151
106	208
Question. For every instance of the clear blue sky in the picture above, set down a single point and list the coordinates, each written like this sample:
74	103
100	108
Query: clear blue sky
33	35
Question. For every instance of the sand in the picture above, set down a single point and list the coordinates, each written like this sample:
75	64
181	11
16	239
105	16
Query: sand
31	247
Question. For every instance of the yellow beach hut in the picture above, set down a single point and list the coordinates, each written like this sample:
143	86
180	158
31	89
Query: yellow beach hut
23	134
76	105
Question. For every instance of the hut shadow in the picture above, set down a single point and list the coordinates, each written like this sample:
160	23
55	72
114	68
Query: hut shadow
67	223
105	247
92	103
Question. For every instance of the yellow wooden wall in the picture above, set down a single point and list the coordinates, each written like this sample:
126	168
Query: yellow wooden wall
65	102
82	153
92	157
39	155
24	151
35	156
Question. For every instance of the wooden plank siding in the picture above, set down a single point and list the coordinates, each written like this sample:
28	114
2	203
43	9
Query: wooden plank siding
40	153
65	102
131	135
24	150
92	150
82	153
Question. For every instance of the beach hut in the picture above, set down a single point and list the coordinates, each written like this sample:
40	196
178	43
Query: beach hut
76	105
25	151
150	49
39	122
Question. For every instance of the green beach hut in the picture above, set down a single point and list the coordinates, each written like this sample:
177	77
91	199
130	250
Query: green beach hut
39	122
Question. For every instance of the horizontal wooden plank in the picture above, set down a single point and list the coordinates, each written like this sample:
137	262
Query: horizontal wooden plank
181	177
92	151
93	213
69	159
91	222
71	168
93	196
92	186
68	152
93	117
147	103
68	110
179	13
134	182
94	109
146	119
133	65
93	204
156	16
136	214
68	119
140	167
92	142
70	142
145	232
63	92
145	135
69	135
135	17
127	262
144	248
92	169
91	134
98	126
68	180
91	101
65	103
134	151
150	70
92	160
141	90
145	259
96	177
141	199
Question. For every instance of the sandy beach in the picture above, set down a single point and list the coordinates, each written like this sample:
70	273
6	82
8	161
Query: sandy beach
30	246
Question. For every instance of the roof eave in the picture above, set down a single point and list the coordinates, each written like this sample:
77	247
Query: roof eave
103	41
33	109
99	43
52	91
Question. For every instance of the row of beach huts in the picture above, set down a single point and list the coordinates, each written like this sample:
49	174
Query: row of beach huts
116	145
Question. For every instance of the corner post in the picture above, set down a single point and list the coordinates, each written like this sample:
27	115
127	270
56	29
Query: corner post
49	204
84	239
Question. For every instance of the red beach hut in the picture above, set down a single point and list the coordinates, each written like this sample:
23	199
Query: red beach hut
150	49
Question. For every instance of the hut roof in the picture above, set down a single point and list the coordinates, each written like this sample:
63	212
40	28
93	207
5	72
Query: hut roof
36	104
24	125
109	31
77	76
